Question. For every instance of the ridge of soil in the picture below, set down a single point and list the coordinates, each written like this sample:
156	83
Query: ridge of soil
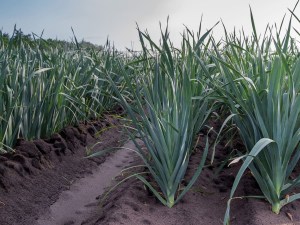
205	203
73	205
41	172
32	178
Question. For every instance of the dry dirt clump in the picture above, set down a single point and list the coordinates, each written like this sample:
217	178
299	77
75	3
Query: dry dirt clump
32	178
132	204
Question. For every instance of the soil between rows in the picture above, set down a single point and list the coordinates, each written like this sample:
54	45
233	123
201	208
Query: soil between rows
41	171
132	204
32	179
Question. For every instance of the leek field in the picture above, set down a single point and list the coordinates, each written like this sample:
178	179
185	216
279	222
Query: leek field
169	94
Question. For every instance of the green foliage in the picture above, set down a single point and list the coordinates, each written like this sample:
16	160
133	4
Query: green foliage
48	85
169	94
167	108
261	87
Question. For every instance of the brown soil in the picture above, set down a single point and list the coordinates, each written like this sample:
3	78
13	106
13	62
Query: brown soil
131	204
44	175
32	178
74	205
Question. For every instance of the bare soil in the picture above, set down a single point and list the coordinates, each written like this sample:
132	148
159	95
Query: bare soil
73	206
32	178
50	182
205	204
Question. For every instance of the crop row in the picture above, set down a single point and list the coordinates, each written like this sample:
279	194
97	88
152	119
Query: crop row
168	93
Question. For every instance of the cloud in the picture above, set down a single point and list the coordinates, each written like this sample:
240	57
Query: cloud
94	20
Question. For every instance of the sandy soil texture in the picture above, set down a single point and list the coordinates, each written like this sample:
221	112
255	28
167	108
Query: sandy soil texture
32	179
205	204
50	182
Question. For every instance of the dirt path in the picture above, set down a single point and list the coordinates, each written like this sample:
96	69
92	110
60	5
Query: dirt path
49	182
74	205
204	204
32	178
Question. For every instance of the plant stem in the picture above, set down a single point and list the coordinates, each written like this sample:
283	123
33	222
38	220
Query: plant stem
171	201
276	207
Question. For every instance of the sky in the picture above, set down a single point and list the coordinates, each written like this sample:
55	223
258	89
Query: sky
97	20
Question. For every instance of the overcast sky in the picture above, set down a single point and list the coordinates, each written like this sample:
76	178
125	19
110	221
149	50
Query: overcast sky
95	20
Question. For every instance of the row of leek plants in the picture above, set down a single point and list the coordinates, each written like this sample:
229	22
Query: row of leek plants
46	86
261	88
167	108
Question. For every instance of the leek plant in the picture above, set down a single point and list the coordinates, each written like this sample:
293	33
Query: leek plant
261	88
47	85
167	108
